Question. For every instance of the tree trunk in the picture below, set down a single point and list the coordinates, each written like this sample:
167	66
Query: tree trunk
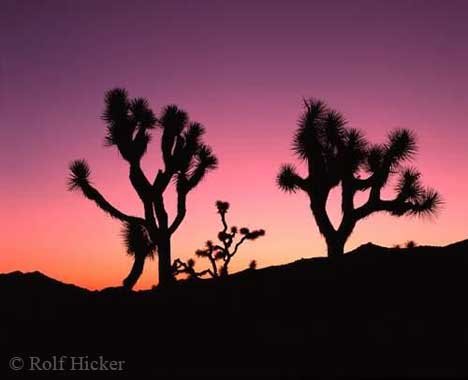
335	248
164	262
135	273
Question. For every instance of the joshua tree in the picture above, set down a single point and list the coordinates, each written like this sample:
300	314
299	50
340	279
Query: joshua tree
410	244
188	268
336	155
219	253
186	160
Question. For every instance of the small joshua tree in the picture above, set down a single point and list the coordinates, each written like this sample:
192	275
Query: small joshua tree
219	255
188	268
336	155
410	244
186	160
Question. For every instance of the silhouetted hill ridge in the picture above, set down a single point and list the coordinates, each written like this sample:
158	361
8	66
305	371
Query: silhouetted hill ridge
39	280
36	279
375	312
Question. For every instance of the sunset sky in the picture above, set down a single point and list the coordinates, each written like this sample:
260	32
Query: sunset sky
241	68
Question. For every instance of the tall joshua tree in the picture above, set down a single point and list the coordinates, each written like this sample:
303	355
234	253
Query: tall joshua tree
186	160
336	155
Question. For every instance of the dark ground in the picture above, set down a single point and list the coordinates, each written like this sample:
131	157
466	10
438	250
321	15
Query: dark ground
375	313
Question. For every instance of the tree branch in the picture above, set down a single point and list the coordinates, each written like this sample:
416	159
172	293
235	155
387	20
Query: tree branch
161	213
139	181
363	183
93	194
238	244
318	200
394	206
181	211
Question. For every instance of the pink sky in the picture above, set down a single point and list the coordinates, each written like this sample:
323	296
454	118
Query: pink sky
241	69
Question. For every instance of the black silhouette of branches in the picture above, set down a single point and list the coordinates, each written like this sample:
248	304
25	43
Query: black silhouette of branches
186	160
220	255
336	155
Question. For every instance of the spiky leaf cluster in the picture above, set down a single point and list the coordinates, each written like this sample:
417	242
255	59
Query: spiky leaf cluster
137	240
128	122
184	153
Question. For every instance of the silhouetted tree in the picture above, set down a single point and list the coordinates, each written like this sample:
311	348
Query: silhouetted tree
186	160
187	268
410	244
336	155
219	255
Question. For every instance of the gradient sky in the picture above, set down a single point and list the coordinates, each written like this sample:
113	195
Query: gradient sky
241	68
